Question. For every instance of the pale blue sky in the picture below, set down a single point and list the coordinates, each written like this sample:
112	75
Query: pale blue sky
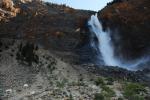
83	4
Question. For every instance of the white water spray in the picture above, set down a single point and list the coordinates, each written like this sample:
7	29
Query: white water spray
106	47
104	41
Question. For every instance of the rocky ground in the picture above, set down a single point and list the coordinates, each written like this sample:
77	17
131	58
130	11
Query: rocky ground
50	75
50	78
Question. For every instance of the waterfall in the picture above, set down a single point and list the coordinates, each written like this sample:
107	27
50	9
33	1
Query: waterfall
104	42
106	48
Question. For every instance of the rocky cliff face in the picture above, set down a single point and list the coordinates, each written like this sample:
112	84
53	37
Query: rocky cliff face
55	27
64	29
129	20
8	9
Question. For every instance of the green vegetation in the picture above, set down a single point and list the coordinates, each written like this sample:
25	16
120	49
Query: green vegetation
70	97
110	81
62	83
134	91
98	96
1	92
52	63
99	82
106	91
51	67
120	98
27	53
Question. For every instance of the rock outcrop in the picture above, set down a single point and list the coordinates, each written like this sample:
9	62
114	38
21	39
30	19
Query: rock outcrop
8	9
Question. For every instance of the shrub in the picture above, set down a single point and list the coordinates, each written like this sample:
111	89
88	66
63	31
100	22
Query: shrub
107	92
61	83
120	98
110	81
70	97
133	91
51	67
98	96
27	53
99	81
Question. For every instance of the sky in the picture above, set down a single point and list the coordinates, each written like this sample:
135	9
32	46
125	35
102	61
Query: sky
83	4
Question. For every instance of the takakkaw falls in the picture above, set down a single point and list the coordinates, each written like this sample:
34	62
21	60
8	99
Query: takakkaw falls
106	47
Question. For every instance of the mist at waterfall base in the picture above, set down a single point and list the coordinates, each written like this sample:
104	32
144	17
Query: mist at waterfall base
106	49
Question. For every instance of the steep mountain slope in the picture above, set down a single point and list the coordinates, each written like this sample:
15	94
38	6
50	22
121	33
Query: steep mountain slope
28	72
53	26
63	29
